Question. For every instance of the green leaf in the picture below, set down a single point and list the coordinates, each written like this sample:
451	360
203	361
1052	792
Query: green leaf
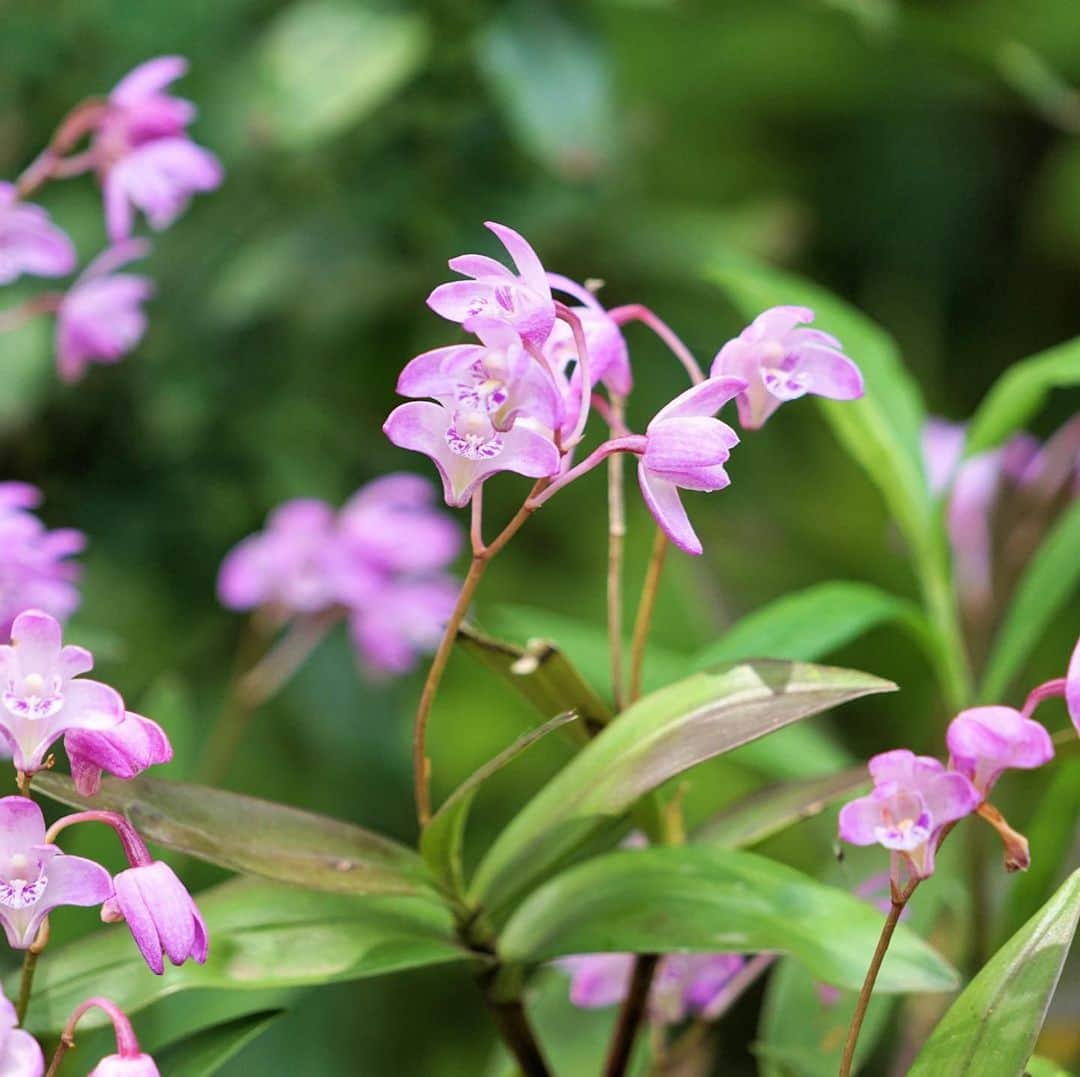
1045	587
809	624
694	898
262	936
660	736
768	811
883	430
1020	392
203	1054
1044	1067
802	1029
324	65
254	836
443	838
587	644
1051	833
992	1027
553	82
542	674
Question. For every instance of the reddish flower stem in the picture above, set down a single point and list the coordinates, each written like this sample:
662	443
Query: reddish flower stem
635	312
896	909
16	317
616	538
127	1045
50	163
134	847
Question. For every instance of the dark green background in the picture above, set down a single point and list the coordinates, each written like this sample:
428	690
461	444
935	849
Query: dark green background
919	158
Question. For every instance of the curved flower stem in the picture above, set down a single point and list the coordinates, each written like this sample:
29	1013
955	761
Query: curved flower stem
134	847
643	618
476	521
49	164
480	561
127	1046
634	443
16	317
896	908
616	536
635	312
30	960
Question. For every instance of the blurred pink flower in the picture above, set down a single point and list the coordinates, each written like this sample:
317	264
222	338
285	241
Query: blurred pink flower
35	570
20	1053
29	241
101	319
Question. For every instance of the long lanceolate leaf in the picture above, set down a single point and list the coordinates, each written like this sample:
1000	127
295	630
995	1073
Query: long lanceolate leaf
264	936
204	1053
696	898
808	624
659	737
992	1027
1019	393
255	836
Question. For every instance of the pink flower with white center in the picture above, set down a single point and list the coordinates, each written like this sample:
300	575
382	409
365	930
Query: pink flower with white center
163	918
985	741
686	447
913	800
780	360
292	565
101	319
124	751
401	621
143	155
496	377
29	241
36	877
20	1053
35	570
522	300
684	985
467	449
41	698
393	525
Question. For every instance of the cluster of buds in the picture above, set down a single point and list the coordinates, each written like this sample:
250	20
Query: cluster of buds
916	799
379	563
138	147
518	398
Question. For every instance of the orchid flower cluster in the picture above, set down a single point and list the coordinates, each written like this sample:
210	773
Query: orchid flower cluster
138	147
44	698
917	799
518	399
379	563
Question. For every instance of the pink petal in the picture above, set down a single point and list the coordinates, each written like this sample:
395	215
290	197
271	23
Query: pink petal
22	825
147	79
525	258
479	266
1072	687
74	880
662	499
832	375
777	322
436	373
705	399
36	637
459	300
860	819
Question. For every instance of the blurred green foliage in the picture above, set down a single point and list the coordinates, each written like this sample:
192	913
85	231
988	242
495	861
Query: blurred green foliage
918	157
